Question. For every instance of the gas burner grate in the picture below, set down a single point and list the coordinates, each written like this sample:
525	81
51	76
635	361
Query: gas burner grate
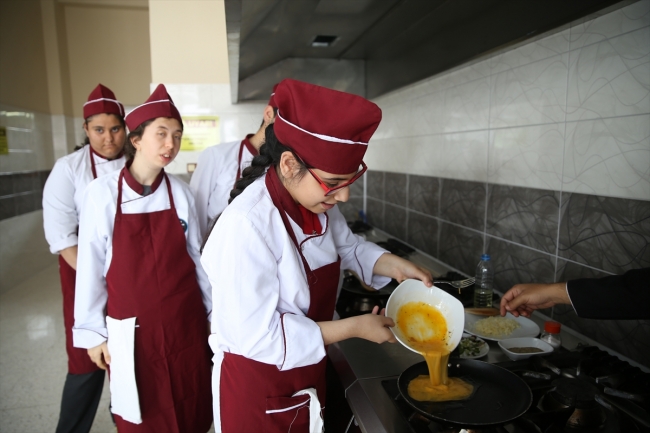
566	398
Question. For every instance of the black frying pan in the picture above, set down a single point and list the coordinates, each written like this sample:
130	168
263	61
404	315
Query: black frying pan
499	395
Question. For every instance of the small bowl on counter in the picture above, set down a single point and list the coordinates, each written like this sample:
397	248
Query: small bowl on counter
514	348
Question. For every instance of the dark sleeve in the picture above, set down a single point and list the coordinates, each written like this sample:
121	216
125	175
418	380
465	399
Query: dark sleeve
624	296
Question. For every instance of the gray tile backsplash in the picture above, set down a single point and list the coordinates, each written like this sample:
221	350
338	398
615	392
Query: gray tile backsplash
395	220
607	233
598	236
514	264
423	194
395	188
526	216
628	337
21	192
463	202
375	188
375	212
422	233
460	247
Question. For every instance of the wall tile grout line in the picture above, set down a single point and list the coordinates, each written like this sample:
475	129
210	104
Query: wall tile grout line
501	128
483	233
564	148
18	194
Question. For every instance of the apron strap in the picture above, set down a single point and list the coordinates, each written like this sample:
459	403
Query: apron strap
120	180
241	152
275	196
92	162
119	191
92	159
169	191
248	145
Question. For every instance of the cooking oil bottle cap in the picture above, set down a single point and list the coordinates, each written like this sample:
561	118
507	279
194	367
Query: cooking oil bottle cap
552	327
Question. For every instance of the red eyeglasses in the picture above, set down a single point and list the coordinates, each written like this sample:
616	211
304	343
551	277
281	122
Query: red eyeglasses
330	191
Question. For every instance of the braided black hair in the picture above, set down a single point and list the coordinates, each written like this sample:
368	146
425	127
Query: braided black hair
270	153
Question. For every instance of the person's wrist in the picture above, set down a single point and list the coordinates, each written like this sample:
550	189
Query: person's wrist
561	295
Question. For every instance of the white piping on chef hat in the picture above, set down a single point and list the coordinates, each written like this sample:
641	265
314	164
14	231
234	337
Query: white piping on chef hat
119	105
321	136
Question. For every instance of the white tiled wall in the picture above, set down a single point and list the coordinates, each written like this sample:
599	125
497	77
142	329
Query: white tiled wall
23	250
569	112
29	135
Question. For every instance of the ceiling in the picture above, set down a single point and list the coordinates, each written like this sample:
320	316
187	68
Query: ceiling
381	45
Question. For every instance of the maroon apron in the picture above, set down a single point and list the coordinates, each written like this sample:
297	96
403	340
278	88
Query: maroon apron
78	360
248	389
153	278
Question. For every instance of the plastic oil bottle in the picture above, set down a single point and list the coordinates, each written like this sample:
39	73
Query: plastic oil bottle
483	284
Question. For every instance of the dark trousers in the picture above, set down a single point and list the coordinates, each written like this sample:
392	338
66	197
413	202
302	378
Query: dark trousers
81	394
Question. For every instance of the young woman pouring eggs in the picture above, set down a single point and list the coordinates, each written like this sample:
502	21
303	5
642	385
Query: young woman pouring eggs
274	260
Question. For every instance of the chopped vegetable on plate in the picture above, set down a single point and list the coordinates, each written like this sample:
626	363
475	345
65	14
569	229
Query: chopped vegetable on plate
471	346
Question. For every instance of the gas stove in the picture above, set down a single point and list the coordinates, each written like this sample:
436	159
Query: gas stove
585	390
355	300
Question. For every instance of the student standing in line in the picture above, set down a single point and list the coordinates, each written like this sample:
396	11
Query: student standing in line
143	298
274	259
220	166
101	153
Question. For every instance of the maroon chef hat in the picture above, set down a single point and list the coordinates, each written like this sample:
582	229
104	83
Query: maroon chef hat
327	129
272	98
102	100
159	104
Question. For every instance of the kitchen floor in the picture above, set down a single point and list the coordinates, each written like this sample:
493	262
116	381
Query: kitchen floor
33	362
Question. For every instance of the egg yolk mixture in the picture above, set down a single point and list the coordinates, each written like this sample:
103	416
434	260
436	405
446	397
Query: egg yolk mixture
425	328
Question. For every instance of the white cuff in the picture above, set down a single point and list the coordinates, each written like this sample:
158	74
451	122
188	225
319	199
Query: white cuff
88	338
303	342
67	242
566	287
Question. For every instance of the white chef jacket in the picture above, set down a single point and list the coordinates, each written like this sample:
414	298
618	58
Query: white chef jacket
96	247
63	194
260	288
214	178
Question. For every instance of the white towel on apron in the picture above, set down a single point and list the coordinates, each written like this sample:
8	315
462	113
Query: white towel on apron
124	390
315	415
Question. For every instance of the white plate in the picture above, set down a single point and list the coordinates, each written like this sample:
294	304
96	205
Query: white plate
527	328
416	291
484	349
509	343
